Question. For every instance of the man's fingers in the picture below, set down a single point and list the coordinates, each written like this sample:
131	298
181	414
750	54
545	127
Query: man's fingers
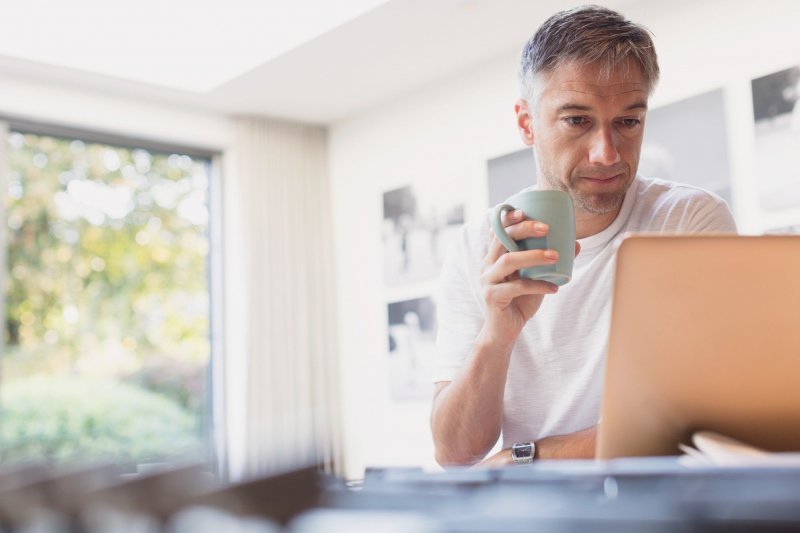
577	248
509	263
527	229
512	217
522	229
505	292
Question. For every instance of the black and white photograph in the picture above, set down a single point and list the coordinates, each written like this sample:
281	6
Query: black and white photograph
777	137
418	221
412	338
785	230
697	155
509	174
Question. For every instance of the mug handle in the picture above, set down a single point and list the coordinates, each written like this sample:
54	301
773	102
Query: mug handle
499	230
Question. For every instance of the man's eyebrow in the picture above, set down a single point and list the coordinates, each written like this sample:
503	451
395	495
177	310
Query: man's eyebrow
573	107
637	105
580	107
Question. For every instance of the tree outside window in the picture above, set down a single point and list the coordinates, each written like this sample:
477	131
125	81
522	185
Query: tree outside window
106	301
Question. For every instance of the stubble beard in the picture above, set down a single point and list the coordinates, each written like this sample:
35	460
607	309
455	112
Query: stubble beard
592	203
598	203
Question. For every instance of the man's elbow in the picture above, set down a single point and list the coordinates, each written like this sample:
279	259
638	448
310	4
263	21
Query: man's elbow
448	458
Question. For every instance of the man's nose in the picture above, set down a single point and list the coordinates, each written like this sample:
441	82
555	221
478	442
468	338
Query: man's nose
603	149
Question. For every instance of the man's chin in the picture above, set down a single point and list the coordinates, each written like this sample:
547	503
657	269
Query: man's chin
598	204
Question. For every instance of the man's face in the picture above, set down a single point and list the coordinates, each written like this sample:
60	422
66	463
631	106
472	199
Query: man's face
587	132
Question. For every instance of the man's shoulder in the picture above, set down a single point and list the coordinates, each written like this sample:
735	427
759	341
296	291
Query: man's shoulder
671	203
656	193
674	191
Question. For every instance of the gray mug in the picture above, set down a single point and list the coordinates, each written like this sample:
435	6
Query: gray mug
555	209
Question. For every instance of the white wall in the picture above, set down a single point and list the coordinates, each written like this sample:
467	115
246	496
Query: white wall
444	133
68	106
448	131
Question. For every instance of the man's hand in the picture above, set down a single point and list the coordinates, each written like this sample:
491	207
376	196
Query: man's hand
511	300
578	445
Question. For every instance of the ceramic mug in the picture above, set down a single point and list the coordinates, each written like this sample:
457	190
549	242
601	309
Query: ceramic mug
555	209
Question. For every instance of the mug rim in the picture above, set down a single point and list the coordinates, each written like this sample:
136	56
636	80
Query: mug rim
550	194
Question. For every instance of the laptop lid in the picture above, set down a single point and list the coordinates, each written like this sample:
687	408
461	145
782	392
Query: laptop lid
705	335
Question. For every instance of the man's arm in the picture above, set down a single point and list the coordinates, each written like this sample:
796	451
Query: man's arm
578	445
467	412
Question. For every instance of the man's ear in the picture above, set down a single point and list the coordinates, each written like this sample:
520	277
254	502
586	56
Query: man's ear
524	121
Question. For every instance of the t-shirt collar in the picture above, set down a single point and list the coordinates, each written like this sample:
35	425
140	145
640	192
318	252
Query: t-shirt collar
597	241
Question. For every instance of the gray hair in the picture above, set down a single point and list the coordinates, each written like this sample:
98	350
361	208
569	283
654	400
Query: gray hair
587	34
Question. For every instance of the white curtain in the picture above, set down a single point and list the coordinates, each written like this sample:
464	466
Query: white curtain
281	396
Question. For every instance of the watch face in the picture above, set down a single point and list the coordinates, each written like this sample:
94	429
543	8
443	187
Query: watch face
522	450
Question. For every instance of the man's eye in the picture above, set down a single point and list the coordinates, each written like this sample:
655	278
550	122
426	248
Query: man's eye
576	121
631	122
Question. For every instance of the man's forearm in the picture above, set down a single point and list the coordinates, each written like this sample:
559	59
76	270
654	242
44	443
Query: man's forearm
467	415
578	445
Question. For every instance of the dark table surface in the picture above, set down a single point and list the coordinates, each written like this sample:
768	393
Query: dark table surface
642	494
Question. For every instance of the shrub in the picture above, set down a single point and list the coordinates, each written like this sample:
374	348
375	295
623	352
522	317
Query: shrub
78	419
181	381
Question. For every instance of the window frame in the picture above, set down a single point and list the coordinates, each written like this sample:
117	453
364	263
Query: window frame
214	420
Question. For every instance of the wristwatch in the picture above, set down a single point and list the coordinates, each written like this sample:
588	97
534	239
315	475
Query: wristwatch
523	452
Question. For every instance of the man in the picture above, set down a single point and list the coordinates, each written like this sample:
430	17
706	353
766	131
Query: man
525	357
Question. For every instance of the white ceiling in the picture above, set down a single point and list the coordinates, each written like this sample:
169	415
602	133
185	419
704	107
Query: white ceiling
329	66
179	43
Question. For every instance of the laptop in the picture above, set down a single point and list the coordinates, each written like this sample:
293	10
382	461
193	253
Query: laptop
705	336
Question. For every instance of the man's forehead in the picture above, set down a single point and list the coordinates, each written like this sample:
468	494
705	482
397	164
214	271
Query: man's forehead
591	80
604	90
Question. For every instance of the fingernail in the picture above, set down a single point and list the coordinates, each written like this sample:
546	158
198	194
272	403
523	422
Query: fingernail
540	226
517	214
553	288
551	254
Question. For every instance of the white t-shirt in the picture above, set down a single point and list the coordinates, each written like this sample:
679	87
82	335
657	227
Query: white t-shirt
555	376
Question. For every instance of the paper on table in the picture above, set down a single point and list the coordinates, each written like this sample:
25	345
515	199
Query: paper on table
713	449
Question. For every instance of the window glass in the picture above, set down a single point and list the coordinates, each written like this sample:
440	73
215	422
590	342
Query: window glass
106	301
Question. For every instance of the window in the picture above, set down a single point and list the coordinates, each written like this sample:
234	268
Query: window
107	330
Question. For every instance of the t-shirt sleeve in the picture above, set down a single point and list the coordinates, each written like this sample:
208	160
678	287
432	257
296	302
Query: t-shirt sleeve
688	209
712	215
459	313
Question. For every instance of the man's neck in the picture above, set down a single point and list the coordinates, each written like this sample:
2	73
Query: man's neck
588	224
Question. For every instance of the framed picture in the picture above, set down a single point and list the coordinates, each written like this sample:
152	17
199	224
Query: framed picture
785	230
777	137
686	141
509	174
417	222
412	338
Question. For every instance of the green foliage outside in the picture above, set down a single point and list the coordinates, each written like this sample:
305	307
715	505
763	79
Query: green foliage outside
107	279
75	419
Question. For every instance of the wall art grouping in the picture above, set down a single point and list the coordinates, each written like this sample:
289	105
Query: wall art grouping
419	221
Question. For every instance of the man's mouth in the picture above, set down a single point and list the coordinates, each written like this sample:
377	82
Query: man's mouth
603	180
